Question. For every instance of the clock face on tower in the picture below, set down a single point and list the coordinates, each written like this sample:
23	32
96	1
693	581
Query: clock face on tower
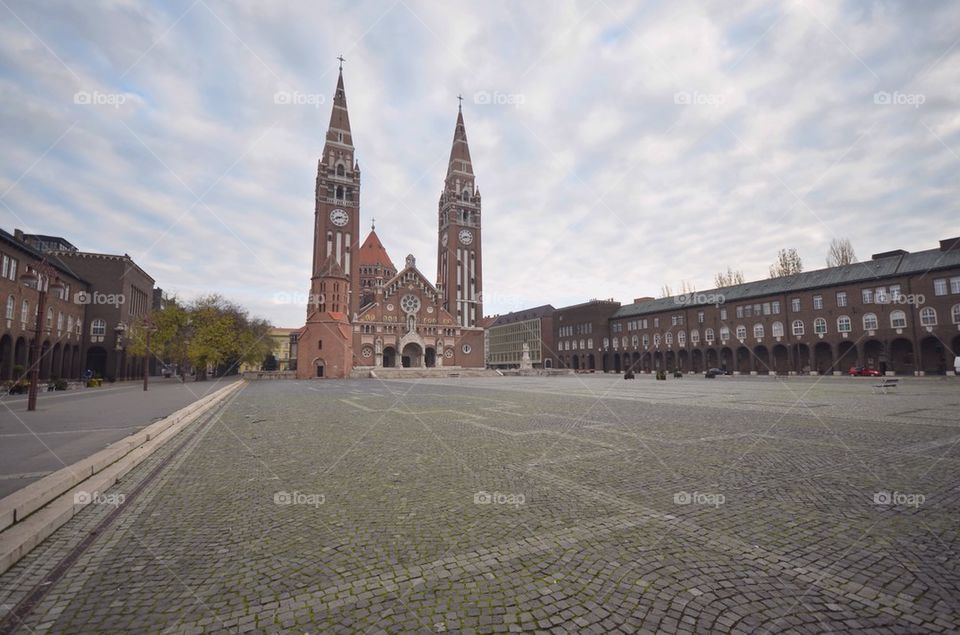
465	236
339	217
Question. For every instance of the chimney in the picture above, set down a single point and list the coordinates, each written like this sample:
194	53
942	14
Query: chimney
950	244
18	234
645	298
889	254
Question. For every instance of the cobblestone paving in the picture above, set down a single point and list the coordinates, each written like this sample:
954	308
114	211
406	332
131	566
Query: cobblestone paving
568	504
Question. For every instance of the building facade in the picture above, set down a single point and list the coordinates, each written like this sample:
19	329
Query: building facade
579	330
62	344
507	334
362	312
898	313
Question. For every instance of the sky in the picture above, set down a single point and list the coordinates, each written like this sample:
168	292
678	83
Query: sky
618	146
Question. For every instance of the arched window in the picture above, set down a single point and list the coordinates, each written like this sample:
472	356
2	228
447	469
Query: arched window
898	320
624	342
694	337
708	336
646	338
777	329
635	341
24	311
339	193
583	345
798	327
682	338
758	331
668	338
955	313
98	328
656	339
50	318
820	326
340	170
11	307
606	342
741	332
724	333
928	316
869	321
843	324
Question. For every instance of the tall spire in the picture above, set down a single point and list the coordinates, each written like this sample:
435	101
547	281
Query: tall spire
460	151
339	130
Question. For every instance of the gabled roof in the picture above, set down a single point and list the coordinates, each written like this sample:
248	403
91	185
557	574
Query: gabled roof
899	263
372	252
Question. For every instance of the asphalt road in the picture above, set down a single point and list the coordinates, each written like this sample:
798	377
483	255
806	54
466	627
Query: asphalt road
70	426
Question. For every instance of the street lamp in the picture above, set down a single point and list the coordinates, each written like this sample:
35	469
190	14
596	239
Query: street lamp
44	278
149	327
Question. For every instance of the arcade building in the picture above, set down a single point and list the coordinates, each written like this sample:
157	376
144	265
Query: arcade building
365	314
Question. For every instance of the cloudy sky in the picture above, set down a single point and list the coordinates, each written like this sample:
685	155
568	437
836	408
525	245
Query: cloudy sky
618	146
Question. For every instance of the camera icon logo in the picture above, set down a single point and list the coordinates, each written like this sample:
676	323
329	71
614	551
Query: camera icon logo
882	98
281	97
82	498
682	498
482	498
283	498
882	498
481	97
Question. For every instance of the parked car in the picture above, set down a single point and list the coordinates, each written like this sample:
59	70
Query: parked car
719	371
861	371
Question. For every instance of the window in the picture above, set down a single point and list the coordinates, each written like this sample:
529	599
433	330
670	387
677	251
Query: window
820	326
766	308
777	329
646	340
6	266
795	304
881	295
818	302
590	343
682	338
59	322
775	307
898	320
24	311
624	340
895	291
656	339
723	314
955	285
656	322
843	324
668	338
758	331
928	316
708	336
49	318
869	321
700	313
741	332
673	320
940	286
606	342
747	311
724	333
695	336
867	295
11	306
634	341
955	313
798	327
98	328
13	268
739	311
841	298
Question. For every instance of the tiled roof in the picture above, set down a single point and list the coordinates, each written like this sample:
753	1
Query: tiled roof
899	264
372	252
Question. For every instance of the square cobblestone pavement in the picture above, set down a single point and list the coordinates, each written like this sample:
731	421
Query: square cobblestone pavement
565	504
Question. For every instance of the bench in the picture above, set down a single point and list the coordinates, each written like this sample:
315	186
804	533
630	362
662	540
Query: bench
885	385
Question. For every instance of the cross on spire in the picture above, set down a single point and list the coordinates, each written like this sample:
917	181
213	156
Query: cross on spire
460	105
373	224
340	57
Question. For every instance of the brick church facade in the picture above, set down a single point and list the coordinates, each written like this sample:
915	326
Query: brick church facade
363	313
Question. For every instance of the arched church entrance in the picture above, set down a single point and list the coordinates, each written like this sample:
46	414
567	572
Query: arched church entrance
412	356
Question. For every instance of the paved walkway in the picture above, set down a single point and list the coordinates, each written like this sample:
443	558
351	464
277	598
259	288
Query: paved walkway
72	425
575	504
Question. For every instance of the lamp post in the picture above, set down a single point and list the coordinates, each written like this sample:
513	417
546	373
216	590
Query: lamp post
149	328
44	277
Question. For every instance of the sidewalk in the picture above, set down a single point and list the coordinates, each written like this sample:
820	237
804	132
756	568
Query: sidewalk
70	426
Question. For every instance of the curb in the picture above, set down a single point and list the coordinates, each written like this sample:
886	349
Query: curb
30	515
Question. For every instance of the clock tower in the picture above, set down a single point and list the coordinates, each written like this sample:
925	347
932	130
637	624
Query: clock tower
459	263
337	206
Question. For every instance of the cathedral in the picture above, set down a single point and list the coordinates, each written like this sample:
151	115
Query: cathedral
363	313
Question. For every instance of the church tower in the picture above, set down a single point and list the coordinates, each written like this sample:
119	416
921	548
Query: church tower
336	230
459	263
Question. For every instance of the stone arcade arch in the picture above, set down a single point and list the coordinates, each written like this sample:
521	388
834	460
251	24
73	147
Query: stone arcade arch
781	359
846	356
933	357
823	358
762	360
412	355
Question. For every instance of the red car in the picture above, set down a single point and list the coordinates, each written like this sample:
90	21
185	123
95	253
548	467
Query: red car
860	371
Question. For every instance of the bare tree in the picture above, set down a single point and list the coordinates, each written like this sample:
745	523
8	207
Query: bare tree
686	288
840	253
788	263
666	291
728	278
